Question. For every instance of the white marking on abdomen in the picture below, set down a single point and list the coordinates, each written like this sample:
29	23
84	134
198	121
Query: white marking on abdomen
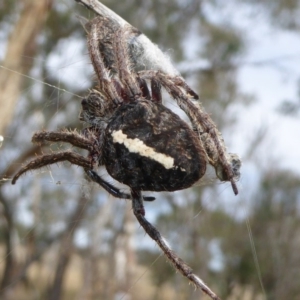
138	146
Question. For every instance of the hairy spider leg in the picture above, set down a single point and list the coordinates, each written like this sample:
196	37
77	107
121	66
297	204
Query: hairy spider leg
107	86
114	52
79	141
177	262
49	159
200	119
114	73
123	62
136	85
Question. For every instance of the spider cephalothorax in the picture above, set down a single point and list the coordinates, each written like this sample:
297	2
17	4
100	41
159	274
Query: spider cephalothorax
140	142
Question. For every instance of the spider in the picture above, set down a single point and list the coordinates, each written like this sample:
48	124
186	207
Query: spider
140	142
226	165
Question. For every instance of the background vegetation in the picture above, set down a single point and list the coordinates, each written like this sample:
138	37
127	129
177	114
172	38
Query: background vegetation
62	238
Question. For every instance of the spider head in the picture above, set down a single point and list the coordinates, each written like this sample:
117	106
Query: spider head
96	110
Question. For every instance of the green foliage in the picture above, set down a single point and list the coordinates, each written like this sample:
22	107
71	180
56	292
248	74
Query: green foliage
7	9
223	44
282	13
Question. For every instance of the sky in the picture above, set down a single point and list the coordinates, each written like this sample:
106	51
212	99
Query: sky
271	84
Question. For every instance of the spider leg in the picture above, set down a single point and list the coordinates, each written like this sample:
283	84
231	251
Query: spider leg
49	159
144	88
156	91
176	261
73	138
123	62
90	140
181	92
77	140
177	80
106	30
76	159
107	86
110	188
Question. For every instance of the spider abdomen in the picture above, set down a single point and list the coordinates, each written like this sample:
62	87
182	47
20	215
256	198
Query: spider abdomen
148	147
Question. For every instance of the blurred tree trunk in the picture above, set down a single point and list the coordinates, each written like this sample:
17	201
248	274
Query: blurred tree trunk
93	260
21	45
66	248
9	259
125	259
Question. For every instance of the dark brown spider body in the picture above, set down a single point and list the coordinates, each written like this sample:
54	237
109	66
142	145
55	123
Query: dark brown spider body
148	147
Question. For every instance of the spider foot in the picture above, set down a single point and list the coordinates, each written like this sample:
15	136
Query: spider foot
176	261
